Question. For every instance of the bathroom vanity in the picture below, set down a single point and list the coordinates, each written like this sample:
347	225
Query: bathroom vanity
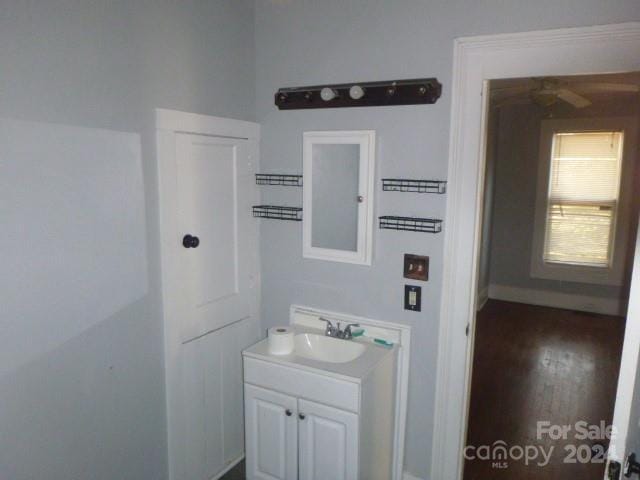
326	411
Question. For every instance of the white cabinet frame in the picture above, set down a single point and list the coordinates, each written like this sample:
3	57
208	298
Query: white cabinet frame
366	139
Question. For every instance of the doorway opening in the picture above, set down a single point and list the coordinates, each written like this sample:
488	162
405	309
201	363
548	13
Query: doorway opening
558	233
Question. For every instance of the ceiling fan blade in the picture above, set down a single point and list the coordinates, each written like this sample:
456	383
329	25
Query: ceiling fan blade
606	87
573	98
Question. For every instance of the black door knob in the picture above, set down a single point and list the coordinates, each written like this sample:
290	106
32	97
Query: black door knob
190	241
302	416
288	412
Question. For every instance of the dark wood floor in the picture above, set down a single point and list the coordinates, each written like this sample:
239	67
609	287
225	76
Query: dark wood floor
540	364
236	473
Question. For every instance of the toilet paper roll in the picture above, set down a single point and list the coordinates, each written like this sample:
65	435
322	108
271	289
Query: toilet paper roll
280	340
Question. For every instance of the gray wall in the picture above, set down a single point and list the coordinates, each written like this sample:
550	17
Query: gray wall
307	42
93	407
516	174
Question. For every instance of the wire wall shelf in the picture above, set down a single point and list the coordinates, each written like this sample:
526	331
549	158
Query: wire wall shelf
278	213
411	224
418	186
277	179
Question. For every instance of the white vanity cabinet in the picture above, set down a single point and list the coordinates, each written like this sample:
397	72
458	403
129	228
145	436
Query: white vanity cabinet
304	422
272	434
327	442
290	438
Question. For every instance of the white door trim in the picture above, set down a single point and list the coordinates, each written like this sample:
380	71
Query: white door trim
606	48
169	123
183	122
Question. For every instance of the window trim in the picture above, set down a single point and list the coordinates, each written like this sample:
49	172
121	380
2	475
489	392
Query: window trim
614	274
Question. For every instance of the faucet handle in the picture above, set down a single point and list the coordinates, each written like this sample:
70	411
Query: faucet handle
347	331
330	328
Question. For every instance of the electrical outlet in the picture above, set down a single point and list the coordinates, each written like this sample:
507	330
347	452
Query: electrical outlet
412	298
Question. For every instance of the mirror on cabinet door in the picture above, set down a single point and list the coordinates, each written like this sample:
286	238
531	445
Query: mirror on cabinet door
338	169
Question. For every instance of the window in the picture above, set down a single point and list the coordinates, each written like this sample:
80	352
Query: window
580	226
584	187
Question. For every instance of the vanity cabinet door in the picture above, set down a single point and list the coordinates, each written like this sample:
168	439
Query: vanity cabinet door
271	435
328	442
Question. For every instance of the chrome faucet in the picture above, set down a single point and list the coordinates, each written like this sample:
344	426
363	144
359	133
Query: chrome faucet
336	331
346	333
330	330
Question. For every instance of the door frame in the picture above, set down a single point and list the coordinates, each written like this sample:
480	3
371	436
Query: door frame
574	51
170	123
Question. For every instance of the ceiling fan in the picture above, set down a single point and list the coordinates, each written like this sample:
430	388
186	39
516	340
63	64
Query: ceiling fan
546	92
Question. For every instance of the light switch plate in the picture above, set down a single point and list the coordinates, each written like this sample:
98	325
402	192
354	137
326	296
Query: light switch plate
416	267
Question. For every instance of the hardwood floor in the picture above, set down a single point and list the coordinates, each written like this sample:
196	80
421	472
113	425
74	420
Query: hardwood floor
536	364
236	473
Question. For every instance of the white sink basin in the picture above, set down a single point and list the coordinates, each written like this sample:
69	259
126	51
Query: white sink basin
326	349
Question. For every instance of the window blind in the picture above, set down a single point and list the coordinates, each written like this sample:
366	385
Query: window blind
584	186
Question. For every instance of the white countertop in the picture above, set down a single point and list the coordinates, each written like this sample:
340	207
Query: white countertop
355	370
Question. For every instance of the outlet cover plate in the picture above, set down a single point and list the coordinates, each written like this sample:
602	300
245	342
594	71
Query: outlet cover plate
413	298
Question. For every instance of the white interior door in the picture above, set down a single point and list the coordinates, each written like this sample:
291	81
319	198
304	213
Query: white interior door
210	288
215	182
626	416
271	433
328	442
212	400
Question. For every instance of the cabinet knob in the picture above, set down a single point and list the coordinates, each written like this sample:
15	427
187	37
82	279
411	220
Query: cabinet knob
302	416
288	412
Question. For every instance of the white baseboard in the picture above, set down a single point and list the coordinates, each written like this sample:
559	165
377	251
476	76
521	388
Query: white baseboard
483	297
408	476
549	298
